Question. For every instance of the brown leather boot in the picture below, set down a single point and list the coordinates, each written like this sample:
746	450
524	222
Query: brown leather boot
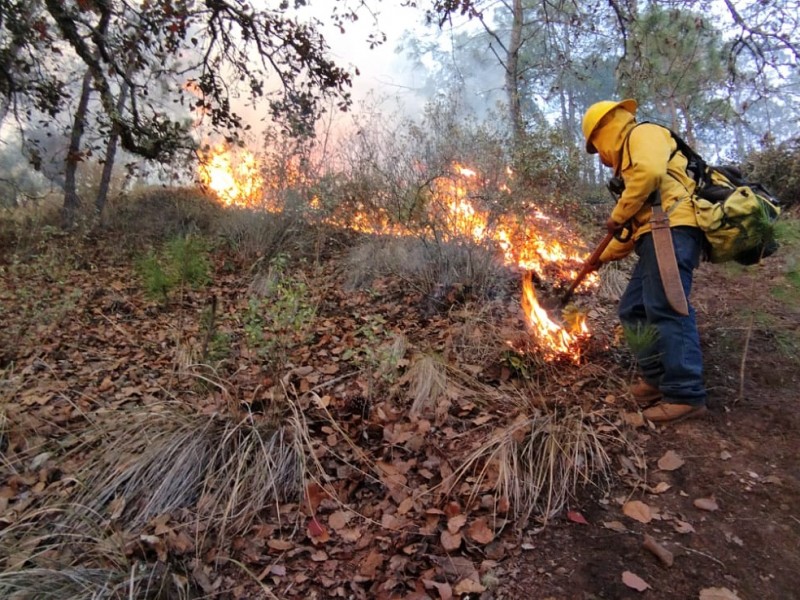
668	412
645	394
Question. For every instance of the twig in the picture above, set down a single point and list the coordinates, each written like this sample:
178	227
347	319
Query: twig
267	592
740	396
210	328
716	560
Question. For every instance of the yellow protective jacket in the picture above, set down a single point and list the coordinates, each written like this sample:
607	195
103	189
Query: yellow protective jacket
645	156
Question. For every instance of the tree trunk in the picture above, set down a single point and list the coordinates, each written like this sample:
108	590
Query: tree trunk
111	153
689	132
72	200
513	75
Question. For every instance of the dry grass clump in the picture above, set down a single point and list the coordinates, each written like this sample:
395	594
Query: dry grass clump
432	267
536	464
613	281
81	583
228	471
24	228
43	556
155	214
259	236
479	337
212	475
427	379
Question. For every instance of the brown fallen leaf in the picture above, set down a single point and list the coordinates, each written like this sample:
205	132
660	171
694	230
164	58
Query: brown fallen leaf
444	589
468	586
660	488
315	494
576	517
682	527
638	510
480	532
651	545
634	419
450	541
454	524
615	526
454	567
280	545
670	461
371	563
632	580
709	504
339	519
317	532
718	594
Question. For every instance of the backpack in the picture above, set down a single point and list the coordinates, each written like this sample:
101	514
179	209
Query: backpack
738	216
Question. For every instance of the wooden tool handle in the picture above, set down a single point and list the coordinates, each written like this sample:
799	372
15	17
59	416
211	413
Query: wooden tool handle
588	266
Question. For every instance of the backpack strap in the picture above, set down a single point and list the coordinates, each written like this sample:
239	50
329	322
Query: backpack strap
696	166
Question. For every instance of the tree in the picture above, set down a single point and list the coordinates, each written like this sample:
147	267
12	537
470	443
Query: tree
661	51
674	60
211	51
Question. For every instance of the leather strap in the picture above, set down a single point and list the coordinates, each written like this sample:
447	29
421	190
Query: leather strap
667	263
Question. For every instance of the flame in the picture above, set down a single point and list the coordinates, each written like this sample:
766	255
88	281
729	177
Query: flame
235	178
534	243
554	338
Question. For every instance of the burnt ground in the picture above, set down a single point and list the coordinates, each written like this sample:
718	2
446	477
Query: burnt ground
744	454
81	338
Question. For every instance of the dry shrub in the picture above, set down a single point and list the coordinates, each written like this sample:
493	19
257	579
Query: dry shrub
257	235
156	214
540	461
25	229
777	166
433	268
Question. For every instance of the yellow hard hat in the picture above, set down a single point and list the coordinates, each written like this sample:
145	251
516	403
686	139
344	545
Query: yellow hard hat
597	111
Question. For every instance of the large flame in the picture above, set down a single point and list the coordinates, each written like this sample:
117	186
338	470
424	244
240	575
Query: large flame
534	243
234	177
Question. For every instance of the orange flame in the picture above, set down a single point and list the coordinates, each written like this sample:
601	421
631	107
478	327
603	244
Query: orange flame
235	178
534	242
553	337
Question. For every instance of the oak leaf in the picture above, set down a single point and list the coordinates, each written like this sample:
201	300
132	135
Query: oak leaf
450	541
638	510
480	532
709	504
632	580
670	461
454	524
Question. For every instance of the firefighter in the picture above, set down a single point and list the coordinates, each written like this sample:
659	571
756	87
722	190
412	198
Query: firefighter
655	203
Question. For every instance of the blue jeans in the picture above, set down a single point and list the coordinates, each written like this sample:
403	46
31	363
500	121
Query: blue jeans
667	347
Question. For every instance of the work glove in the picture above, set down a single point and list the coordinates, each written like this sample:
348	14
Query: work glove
612	226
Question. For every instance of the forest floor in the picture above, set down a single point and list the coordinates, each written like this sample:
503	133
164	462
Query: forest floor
125	420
